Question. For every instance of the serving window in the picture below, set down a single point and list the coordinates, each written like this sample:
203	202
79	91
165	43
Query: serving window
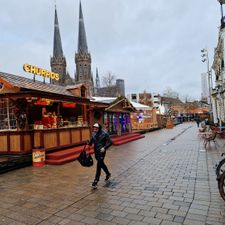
40	113
45	113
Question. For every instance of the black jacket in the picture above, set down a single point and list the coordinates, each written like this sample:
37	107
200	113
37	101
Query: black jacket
100	140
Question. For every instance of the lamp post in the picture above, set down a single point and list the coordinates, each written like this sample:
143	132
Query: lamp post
222	17
205	58
221	1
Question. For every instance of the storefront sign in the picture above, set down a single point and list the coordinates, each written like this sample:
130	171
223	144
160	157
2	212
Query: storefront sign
43	102
69	105
41	72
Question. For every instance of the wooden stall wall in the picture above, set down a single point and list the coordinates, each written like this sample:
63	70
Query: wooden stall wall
22	142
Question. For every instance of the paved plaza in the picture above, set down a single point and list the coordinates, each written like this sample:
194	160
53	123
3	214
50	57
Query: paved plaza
166	178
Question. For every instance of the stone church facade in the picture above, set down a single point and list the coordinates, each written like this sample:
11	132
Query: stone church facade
83	72
82	58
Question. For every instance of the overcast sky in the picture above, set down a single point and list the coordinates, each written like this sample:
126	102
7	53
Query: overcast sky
150	44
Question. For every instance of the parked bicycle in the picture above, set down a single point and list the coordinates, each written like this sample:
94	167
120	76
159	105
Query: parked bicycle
220	168
220	173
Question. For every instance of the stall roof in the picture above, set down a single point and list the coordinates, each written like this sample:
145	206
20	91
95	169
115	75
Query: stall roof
23	82
27	87
109	100
103	99
140	106
121	104
69	87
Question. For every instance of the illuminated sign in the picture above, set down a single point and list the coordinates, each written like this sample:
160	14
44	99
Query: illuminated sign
41	72
43	102
69	105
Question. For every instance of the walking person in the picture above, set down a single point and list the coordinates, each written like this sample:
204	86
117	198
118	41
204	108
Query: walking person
197	121
102	142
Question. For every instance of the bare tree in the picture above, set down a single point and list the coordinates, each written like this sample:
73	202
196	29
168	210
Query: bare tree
169	92
108	80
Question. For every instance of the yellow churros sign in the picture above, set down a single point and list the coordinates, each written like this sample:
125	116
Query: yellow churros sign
41	72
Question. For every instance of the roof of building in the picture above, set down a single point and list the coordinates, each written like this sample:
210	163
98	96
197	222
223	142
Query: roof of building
22	82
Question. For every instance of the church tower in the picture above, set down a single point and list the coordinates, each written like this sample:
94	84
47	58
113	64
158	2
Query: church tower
83	58
97	80
58	61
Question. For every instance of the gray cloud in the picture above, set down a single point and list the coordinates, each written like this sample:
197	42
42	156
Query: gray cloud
150	44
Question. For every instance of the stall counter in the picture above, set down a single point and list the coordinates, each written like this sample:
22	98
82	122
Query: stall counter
22	142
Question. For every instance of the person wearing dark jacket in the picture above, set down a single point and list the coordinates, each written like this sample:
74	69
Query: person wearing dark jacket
102	142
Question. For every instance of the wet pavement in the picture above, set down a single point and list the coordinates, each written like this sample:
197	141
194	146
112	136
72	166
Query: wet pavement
166	178
12	162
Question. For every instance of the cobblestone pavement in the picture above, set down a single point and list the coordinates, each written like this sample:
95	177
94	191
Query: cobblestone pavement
166	178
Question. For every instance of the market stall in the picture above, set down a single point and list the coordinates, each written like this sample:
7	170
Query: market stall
33	114
145	118
114	115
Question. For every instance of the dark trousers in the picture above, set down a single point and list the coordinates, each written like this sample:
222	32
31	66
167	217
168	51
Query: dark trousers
101	165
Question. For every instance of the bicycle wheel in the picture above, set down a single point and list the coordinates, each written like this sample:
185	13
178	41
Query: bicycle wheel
220	169
222	186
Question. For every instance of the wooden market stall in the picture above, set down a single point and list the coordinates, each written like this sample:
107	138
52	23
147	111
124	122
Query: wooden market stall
113	114
34	114
145	118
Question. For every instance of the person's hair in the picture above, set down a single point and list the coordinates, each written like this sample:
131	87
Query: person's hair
99	127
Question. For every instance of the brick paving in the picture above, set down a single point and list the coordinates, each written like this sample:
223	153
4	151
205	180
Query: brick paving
167	178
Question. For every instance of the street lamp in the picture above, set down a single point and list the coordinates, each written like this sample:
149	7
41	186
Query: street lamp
205	58
221	1
222	17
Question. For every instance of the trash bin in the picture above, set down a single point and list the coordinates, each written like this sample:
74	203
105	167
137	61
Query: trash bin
38	156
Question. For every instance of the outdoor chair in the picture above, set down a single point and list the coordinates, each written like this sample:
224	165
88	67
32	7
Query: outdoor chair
201	131
208	137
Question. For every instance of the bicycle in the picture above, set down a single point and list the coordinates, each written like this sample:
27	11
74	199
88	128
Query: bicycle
221	185
220	173
220	168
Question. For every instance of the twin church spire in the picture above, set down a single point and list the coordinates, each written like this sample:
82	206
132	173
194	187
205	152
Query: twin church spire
82	57
82	40
57	45
58	61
